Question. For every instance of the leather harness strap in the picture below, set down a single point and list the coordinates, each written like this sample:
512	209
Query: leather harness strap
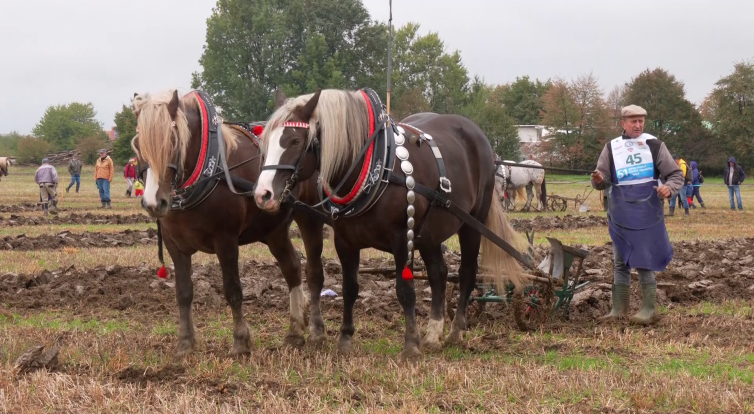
444	181
440	200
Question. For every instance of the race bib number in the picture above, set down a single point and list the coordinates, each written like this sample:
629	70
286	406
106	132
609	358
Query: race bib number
633	160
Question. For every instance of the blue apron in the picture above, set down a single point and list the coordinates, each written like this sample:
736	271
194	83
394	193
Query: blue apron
635	215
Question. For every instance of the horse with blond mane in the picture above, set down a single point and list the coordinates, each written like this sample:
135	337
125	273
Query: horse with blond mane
4	163
374	174
183	151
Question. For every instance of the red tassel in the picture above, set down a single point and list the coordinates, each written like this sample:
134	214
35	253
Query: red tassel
257	130
162	273
407	273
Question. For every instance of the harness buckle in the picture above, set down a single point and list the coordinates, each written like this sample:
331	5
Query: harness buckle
445	184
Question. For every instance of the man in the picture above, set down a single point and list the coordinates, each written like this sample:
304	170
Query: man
74	168
733	177
104	171
686	171
129	172
630	167
47	179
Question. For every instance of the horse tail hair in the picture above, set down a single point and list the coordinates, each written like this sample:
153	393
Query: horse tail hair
543	194
501	267
521	193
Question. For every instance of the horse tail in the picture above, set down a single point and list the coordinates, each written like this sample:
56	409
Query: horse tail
543	194
500	266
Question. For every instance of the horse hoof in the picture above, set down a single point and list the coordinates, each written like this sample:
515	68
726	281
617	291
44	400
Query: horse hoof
317	341
431	346
295	340
185	347
410	353
344	346
455	337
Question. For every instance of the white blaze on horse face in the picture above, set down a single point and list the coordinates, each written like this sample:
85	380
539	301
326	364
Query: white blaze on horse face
274	153
150	189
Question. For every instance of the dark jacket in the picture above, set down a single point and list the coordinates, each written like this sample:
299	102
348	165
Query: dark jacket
74	167
738	173
694	173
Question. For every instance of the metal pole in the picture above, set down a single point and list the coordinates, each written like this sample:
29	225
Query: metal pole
389	54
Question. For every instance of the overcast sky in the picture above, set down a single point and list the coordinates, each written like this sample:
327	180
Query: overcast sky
101	51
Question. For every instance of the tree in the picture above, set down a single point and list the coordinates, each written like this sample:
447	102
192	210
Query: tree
64	125
560	115
89	147
420	63
730	107
9	143
125	125
485	107
32	150
256	46
522	100
615	103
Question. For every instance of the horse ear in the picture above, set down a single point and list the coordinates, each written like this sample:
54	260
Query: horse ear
173	105
279	98
136	94
310	106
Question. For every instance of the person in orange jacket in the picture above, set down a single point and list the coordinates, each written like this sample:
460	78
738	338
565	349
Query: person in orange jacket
104	170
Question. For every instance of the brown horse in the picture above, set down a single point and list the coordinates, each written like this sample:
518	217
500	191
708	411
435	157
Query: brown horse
338	123
170	144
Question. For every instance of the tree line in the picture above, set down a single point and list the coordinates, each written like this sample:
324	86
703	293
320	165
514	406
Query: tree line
254	47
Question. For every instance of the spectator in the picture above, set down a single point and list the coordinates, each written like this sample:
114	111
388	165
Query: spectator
104	171
74	168
47	179
139	189
686	181
696	180
129	172
733	177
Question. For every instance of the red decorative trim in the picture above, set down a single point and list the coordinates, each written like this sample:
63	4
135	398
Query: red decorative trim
365	168
205	142
291	124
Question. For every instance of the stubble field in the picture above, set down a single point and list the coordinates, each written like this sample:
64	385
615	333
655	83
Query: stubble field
85	282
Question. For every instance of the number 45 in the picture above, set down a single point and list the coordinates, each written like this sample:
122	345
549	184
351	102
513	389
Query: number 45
633	159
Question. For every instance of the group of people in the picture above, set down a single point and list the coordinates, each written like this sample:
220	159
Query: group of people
104	171
638	172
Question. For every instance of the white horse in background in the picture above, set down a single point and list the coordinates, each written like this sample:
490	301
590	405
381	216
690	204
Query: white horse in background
4	163
511	180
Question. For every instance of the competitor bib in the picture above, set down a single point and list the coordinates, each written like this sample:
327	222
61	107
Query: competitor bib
633	160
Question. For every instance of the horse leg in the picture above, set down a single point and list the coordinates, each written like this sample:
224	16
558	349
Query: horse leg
312	235
184	293
470	241
529	195
538	192
282	249
349	262
438	278
406	294
227	253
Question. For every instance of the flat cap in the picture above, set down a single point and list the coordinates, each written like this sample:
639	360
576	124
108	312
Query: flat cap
45	160
632	110
102	150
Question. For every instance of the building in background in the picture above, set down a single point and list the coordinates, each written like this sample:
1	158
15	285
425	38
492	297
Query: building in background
112	134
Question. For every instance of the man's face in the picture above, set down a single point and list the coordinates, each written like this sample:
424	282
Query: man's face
634	126
730	163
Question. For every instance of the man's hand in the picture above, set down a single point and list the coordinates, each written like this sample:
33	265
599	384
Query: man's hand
663	191
597	177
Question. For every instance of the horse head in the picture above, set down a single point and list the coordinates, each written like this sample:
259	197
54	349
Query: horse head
160	147
290	149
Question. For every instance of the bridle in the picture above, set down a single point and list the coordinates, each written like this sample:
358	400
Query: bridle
296	169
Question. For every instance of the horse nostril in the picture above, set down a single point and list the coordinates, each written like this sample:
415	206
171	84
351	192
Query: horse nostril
266	196
163	204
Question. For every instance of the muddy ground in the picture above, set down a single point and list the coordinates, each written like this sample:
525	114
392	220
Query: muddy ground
566	222
24	208
74	218
78	240
713	271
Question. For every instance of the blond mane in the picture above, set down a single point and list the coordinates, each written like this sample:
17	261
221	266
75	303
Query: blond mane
340	116
158	138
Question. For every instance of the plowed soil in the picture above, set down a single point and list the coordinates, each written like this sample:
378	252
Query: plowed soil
74	218
695	275
76	240
558	222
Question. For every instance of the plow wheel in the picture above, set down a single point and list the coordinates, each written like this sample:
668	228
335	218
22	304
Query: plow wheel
533	305
558	204
474	310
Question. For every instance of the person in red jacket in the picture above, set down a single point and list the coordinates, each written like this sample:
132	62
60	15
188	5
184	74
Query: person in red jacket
130	173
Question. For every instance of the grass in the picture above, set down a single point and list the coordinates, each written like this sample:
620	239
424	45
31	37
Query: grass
698	359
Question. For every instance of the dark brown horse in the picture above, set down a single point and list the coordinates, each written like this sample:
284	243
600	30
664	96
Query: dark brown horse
171	141
338	122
